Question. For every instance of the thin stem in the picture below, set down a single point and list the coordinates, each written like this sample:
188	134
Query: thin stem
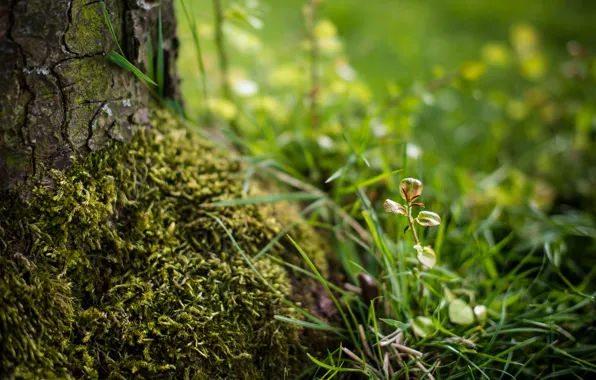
411	221
223	61
219	41
415	234
311	17
195	36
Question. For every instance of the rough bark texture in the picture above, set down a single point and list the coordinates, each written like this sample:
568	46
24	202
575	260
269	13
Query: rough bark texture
60	98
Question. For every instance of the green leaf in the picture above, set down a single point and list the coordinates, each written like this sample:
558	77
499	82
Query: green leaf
338	173
119	60
422	326
460	312
396	324
428	219
426	255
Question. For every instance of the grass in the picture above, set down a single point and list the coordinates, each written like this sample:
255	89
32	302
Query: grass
119	58
502	138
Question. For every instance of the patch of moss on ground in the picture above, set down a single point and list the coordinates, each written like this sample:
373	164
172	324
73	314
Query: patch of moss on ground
114	271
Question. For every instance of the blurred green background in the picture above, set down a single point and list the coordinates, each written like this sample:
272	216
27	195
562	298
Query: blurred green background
403	40
492	104
523	97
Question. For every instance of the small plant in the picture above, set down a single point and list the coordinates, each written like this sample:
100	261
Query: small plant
410	190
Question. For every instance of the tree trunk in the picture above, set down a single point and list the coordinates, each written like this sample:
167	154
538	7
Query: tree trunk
120	267
60	98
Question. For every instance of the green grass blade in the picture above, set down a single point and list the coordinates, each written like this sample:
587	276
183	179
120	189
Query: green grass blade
327	289
373	317
300	196
195	36
121	61
305	272
368	182
469	361
335	175
335	368
256	271
150	66
160	54
304	324
106	18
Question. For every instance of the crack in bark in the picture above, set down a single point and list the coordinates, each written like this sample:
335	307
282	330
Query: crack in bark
93	120
65	121
68	24
22	128
61	86
66	48
78	56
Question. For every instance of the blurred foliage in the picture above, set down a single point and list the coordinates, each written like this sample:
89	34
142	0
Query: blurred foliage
470	97
491	104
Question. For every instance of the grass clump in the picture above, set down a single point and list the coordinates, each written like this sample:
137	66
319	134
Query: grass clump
504	144
117	270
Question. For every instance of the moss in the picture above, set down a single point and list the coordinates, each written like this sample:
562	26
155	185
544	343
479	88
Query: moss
114	271
87	33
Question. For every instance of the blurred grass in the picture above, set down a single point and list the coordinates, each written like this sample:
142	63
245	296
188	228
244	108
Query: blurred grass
492	106
403	40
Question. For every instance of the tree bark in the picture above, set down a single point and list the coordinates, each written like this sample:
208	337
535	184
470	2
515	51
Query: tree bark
60	98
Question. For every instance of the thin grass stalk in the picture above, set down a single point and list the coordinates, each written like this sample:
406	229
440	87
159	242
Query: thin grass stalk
311	19
199	51
221	50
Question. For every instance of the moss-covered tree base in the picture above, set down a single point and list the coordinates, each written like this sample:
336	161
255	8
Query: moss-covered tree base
115	271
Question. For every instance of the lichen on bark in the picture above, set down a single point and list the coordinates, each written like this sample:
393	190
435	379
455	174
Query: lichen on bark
60	98
117	271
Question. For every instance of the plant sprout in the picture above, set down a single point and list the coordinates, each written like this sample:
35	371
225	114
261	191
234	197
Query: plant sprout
410	190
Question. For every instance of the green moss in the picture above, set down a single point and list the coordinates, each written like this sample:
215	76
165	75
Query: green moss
115	271
88	33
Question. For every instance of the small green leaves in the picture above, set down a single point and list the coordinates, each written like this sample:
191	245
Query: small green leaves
422	326
426	256
460	313
410	189
428	218
393	207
